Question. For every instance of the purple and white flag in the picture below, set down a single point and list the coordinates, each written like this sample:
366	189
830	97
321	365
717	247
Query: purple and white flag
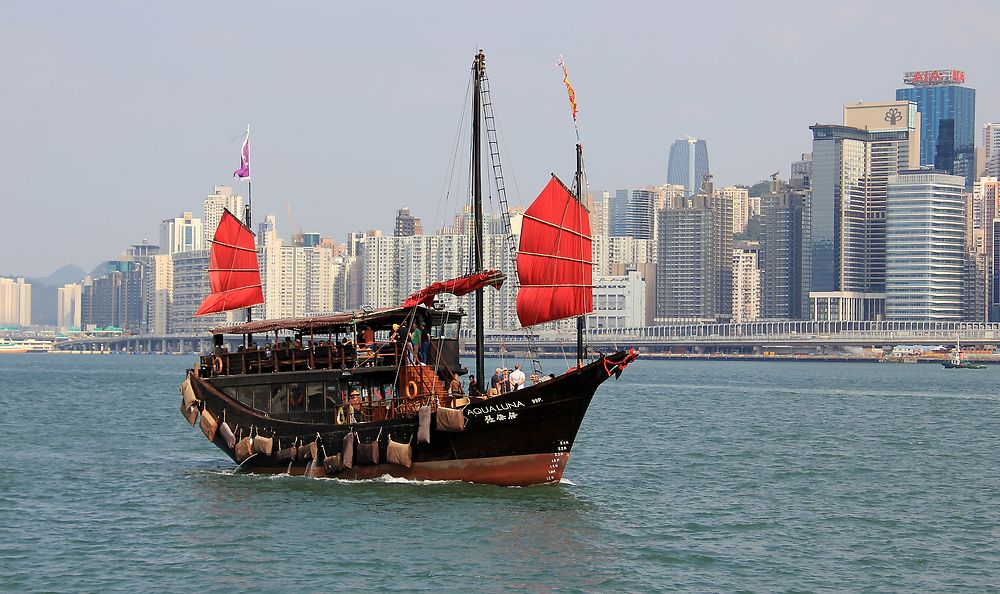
244	171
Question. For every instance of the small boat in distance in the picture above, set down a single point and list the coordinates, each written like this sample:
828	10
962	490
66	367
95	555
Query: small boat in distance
363	394
955	361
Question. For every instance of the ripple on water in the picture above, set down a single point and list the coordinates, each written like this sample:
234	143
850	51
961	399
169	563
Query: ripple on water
690	476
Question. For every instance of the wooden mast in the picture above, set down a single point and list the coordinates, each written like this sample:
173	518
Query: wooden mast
581	321
478	70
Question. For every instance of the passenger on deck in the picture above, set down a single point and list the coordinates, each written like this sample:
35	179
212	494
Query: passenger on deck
415	340
456	385
517	378
368	337
425	346
474	390
347	346
496	380
409	354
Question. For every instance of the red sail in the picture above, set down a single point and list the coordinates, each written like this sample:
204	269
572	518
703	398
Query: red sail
232	271
456	286
554	263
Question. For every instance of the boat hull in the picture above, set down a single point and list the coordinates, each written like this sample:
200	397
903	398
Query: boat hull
520	438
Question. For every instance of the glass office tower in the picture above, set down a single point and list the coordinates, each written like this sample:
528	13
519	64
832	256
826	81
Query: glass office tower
948	120
688	164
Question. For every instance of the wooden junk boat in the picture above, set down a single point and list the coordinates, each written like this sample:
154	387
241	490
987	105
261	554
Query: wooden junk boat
344	395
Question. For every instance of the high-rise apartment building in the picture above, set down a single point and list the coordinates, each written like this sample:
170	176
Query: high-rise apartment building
190	286
222	198
15	302
407	224
114	299
785	254
925	248
687	267
739	199
948	120
391	268
181	234
688	163
68	302
991	145
746	285
159	293
981	211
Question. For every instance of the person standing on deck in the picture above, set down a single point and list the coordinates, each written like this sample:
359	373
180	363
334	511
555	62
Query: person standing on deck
425	346
415	341
496	379
517	378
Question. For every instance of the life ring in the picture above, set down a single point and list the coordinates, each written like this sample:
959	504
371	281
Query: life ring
217	365
411	390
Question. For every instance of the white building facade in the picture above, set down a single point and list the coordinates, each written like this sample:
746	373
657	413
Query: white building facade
925	246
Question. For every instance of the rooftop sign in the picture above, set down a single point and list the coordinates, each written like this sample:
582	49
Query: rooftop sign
928	78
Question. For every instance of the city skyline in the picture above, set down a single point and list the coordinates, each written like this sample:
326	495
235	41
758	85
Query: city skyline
119	114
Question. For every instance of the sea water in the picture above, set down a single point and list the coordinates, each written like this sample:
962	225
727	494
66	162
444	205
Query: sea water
686	476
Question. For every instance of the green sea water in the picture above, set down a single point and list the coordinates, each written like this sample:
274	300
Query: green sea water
686	476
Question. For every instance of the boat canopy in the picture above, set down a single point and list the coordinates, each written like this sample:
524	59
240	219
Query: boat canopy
338	322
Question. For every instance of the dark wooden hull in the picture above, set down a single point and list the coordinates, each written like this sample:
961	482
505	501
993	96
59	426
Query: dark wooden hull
520	438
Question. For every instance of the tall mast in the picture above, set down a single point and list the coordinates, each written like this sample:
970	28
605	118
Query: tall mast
248	338
478	69
581	321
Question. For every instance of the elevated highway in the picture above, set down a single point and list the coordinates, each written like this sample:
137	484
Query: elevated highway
801	336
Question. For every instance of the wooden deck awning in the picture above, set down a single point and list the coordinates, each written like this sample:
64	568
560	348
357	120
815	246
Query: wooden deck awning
320	324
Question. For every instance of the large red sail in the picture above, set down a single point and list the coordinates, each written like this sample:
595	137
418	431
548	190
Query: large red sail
232	271
554	262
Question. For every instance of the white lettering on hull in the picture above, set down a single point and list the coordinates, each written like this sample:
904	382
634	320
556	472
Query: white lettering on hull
493	409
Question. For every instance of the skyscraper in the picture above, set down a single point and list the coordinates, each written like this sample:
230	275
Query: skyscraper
407	224
981	212
15	302
688	163
991	143
925	246
948	120
784	253
182	234
851	165
68	307
632	213
687	268
746	285
221	198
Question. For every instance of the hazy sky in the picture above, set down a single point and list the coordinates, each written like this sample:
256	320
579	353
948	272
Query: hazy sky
117	115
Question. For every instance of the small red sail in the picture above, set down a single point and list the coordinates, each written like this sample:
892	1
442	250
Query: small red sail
232	271
554	262
456	286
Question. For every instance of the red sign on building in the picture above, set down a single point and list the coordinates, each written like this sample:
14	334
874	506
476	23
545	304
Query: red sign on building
925	78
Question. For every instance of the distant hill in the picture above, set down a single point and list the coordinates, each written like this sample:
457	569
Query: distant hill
67	274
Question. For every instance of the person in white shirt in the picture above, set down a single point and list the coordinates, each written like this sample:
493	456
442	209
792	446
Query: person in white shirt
517	378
